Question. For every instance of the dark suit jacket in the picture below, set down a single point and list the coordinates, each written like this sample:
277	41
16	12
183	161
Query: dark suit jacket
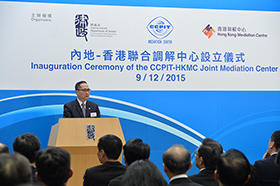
73	110
102	174
34	180
116	181
269	172
183	182
205	177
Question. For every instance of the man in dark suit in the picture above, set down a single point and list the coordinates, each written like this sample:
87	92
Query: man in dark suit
81	107
269	172
176	163
206	158
28	145
53	165
233	169
134	149
109	150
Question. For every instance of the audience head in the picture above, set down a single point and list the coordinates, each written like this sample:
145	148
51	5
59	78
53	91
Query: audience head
209	140
233	168
177	160
135	149
109	148
274	143
14	169
4	148
208	153
143	173
53	166
27	144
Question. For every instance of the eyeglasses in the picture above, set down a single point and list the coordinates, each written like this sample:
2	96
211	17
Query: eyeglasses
85	90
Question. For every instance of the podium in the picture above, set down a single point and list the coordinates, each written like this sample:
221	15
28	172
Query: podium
71	135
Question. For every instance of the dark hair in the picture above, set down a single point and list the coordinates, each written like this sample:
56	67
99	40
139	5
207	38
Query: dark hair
254	177
14	169
276	138
4	148
78	84
207	141
27	144
112	146
177	159
210	150
143	173
233	168
53	166
135	149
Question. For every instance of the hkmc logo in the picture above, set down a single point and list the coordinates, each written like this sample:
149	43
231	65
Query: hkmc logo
81	24
160	27
208	31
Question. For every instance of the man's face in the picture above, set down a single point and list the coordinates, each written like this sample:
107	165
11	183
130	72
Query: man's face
98	155
83	92
196	158
269	146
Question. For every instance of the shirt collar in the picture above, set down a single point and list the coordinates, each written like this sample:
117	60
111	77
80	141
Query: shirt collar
179	176
202	169
80	103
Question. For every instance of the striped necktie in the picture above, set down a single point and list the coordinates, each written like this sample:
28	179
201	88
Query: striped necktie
84	109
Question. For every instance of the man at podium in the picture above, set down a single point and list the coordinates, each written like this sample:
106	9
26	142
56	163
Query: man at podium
81	107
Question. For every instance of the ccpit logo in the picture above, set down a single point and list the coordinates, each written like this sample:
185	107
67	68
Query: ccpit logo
160	27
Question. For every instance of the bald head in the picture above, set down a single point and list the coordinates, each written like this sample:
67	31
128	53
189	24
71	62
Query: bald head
177	159
4	148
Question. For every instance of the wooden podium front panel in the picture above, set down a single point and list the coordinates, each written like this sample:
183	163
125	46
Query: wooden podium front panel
82	158
72	131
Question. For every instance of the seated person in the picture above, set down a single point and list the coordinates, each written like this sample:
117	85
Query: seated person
143	173
53	165
176	163
268	171
109	149
14	169
133	150
233	169
28	145
206	158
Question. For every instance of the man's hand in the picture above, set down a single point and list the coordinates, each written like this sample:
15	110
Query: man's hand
266	155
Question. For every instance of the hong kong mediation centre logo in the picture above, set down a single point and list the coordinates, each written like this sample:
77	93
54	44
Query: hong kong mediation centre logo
160	27
81	25
208	31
